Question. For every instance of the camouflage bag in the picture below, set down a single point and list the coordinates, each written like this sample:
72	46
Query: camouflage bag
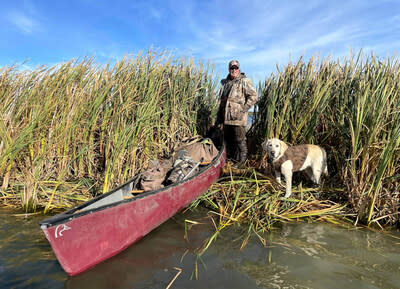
154	176
197	150
184	167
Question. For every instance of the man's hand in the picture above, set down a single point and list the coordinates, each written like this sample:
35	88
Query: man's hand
245	108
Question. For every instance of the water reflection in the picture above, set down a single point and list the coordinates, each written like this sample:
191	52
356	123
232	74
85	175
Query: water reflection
324	256
296	256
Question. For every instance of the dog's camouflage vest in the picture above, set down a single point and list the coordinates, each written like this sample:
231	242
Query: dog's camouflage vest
296	154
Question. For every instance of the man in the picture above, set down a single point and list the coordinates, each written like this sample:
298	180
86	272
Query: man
237	95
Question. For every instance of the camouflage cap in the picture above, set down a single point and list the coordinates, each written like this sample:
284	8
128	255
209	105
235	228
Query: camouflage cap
234	63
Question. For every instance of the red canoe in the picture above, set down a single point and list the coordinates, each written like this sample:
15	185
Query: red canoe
100	228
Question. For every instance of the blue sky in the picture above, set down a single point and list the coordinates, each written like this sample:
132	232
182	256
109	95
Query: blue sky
259	33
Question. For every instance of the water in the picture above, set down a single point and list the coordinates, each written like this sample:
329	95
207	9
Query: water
297	255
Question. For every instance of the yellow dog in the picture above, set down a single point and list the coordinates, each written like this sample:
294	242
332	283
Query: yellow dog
288	159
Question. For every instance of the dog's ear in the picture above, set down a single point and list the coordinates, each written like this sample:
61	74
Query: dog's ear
265	143
283	146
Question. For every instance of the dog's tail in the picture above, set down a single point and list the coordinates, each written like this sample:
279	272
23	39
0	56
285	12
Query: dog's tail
324	162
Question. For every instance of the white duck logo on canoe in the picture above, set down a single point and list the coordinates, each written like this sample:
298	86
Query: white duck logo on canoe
60	229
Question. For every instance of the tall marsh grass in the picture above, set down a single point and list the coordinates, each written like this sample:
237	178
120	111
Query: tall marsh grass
73	130
352	108
70	129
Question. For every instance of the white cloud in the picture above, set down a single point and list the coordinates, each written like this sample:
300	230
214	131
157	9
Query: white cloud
259	33
23	22
155	13
279	33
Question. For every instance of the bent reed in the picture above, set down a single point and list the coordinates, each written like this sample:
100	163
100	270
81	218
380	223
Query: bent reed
74	130
254	202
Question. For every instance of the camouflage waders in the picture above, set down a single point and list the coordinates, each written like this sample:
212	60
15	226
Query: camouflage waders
236	143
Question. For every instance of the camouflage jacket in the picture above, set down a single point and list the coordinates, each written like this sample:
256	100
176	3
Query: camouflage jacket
236	98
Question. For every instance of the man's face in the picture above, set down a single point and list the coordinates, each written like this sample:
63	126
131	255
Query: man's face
234	71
